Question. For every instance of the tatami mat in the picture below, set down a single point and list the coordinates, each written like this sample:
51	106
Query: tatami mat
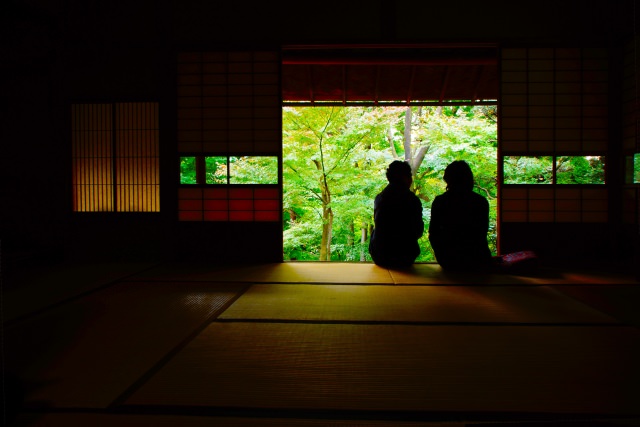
365	273
342	344
430	273
619	301
110	420
474	304
41	286
528	369
88	352
286	272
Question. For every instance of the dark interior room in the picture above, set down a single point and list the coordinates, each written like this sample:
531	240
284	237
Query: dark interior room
131	298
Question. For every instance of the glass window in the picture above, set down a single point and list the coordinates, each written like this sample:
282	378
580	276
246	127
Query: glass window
528	169
215	170
229	170
580	170
188	170
253	170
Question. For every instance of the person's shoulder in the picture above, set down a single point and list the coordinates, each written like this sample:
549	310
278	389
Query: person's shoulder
378	197
478	197
443	196
439	201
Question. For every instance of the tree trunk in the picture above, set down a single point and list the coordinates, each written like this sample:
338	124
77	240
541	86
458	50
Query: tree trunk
327	214
390	141
407	135
292	215
414	160
352	231
327	223
417	160
327	226
363	243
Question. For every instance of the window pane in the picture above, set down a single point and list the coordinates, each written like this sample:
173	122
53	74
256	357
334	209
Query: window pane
528	169
253	170
215	170
580	170
188	170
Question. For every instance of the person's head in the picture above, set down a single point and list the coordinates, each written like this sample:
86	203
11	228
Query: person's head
458	176
399	172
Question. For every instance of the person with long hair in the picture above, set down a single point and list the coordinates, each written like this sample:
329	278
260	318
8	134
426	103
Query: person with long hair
460	222
459	226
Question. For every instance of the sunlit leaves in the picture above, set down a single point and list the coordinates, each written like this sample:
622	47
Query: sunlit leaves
580	170
348	150
253	170
528	169
187	170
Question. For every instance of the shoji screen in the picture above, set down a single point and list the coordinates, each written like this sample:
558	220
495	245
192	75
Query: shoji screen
229	105
115	157
92	152
553	103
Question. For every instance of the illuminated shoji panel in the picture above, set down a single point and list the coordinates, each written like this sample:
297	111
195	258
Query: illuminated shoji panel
554	102
229	103
115	157
137	157
92	157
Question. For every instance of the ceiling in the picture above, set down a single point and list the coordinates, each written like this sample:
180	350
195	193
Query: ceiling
389	75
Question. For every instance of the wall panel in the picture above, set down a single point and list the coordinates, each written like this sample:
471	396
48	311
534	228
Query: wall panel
229	103
553	102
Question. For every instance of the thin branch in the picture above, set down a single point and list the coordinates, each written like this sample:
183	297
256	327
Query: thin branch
309	189
348	150
486	191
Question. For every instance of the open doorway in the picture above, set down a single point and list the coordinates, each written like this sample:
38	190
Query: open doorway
348	111
334	161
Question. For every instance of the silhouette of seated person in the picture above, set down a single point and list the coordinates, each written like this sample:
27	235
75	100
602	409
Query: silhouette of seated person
398	224
460	222
459	225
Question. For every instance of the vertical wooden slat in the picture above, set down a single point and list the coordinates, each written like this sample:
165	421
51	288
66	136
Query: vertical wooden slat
137	157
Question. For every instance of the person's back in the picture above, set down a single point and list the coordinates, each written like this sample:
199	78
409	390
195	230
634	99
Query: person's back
398	220
459	223
458	230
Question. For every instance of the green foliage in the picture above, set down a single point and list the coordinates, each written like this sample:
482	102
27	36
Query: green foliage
253	170
215	170
539	170
301	240
456	134
580	170
347	150
187	170
528	169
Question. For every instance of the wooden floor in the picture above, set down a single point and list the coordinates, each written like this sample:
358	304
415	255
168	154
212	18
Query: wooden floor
316	344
